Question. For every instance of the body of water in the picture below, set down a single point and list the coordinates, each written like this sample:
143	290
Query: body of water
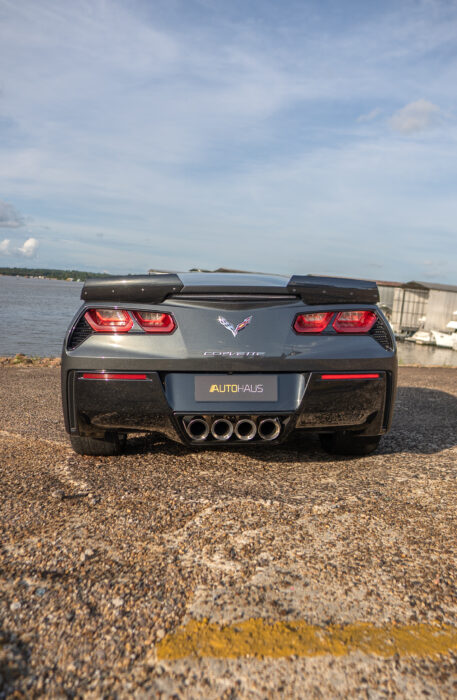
427	355
35	314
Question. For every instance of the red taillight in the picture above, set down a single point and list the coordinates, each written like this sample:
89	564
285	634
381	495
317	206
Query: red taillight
109	320
154	322
354	321
351	376
109	375
121	321
345	321
312	323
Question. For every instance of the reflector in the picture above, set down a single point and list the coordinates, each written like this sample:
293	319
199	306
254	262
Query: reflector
155	322
109	375
350	376
354	321
109	320
312	323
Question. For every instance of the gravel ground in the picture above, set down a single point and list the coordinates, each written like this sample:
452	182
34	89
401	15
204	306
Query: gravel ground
101	558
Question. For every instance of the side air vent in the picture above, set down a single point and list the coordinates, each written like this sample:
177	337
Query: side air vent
81	331
382	335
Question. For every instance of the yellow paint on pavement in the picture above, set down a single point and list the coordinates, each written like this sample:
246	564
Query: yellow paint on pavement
258	637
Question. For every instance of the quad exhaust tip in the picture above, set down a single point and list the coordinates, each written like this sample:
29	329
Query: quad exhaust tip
245	429
269	428
222	429
197	429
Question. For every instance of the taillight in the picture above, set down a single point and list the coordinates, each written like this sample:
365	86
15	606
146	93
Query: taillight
345	321
365	375
354	321
109	320
153	322
312	323
109	375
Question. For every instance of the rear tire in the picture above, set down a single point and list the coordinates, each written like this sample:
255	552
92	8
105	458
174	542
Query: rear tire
346	443
102	447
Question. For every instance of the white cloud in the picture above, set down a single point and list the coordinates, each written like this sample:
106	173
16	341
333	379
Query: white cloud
370	115
5	247
9	217
27	249
415	116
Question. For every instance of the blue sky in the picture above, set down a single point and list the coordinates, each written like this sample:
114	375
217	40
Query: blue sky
279	136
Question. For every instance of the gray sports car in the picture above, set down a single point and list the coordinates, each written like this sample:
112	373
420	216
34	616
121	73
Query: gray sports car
215	359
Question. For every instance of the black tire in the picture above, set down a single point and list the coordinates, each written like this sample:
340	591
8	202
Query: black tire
109	445
346	443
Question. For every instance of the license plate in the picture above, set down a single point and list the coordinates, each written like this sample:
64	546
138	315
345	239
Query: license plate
236	387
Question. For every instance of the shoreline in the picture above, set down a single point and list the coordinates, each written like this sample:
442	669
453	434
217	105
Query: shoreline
21	360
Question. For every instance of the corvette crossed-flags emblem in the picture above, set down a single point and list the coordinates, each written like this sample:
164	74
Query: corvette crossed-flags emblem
234	330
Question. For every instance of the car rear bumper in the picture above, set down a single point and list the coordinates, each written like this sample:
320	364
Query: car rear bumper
95	401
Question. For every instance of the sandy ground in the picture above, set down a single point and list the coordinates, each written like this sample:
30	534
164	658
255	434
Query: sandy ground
101	559
28	361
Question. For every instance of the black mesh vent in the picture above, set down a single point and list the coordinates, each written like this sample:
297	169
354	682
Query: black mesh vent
382	335
81	331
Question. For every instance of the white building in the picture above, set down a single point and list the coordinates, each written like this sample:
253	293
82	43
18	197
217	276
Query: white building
414	305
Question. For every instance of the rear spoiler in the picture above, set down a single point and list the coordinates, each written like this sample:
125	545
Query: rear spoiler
134	288
154	289
333	290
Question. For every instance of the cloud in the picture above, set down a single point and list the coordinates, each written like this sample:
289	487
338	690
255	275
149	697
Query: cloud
185	124
27	249
415	116
9	217
370	115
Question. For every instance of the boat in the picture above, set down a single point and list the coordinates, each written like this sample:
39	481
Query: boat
422	338
446	338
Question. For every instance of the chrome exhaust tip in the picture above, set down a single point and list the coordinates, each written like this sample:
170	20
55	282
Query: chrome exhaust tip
269	428
197	429
245	429
222	429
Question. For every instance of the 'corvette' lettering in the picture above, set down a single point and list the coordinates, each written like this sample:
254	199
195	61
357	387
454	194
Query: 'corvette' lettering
228	353
236	388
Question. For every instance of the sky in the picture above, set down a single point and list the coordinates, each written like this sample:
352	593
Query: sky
292	137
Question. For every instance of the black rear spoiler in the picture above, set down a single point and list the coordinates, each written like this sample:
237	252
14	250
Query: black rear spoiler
156	288
333	290
134	288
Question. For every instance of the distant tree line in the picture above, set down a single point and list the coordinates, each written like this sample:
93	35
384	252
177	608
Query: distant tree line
54	274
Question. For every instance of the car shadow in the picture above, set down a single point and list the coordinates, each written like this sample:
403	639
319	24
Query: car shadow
14	662
424	422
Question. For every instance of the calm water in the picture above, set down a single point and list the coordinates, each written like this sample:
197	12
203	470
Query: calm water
34	315
412	354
